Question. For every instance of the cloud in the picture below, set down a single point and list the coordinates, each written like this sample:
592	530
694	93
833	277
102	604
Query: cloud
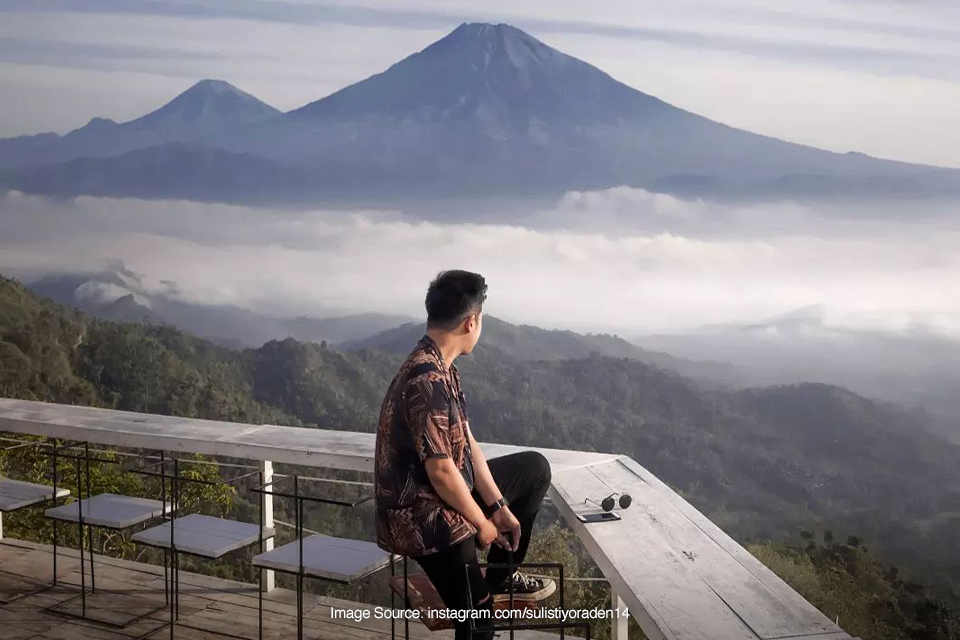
104	292
871	275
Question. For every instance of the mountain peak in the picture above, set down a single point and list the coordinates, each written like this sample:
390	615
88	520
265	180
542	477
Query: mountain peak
493	44
99	123
487	30
205	105
492	75
212	86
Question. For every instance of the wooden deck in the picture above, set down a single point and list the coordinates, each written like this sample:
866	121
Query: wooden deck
211	608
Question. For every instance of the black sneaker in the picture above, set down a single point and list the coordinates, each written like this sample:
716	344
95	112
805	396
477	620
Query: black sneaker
526	588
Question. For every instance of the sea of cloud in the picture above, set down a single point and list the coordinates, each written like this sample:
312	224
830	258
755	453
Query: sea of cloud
622	259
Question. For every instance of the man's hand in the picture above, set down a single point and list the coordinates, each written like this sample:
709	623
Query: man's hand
506	522
486	534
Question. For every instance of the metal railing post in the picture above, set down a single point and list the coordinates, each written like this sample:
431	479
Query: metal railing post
266	468
1	515
620	623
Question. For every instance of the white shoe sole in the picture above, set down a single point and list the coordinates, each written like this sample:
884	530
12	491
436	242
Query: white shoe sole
547	591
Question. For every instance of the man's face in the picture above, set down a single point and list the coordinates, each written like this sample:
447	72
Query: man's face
474	327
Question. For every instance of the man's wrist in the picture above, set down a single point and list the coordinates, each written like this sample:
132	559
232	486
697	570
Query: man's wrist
491	509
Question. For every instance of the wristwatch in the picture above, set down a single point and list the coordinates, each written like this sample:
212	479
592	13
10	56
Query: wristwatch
491	509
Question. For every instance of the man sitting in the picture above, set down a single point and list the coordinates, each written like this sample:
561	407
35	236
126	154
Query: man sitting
438	498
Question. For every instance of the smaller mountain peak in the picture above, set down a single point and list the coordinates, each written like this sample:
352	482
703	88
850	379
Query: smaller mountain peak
207	105
96	126
100	123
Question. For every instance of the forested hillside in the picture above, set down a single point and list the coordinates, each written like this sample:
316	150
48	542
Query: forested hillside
762	463
869	598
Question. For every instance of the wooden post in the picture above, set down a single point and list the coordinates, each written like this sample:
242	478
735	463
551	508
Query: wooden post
620	623
266	466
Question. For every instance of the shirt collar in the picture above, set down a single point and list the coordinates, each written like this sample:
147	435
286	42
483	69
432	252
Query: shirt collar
431	346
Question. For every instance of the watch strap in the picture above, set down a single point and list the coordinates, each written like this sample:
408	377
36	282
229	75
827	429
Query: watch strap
491	509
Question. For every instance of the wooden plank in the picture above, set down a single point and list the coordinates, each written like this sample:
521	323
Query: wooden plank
245	625
109	510
311	447
767	614
677	581
746	559
668	599
16	632
208	605
16	494
328	557
201	535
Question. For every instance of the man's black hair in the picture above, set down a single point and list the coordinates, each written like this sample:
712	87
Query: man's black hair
452	296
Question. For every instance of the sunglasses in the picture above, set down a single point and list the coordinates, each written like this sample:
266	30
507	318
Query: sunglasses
609	503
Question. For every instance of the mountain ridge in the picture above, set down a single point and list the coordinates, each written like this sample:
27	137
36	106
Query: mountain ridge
532	343
118	294
491	109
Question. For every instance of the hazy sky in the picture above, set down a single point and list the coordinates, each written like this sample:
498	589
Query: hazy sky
880	77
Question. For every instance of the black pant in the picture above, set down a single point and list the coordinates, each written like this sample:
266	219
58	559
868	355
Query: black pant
524	479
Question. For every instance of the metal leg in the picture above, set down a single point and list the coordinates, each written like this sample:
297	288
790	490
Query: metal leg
260	571
299	522
406	601
93	575
55	536
166	554
171	605
166	577
393	599
55	532
512	583
562	607
83	570
174	510
471	623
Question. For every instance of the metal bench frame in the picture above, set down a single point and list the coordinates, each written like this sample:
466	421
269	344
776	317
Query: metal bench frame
299	501
83	527
511	627
40	588
171	581
512	566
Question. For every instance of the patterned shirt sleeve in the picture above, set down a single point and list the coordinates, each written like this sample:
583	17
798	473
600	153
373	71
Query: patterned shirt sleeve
427	406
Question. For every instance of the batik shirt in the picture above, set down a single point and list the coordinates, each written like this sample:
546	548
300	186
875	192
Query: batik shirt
423	416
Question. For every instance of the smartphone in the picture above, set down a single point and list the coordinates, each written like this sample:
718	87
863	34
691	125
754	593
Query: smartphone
603	516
